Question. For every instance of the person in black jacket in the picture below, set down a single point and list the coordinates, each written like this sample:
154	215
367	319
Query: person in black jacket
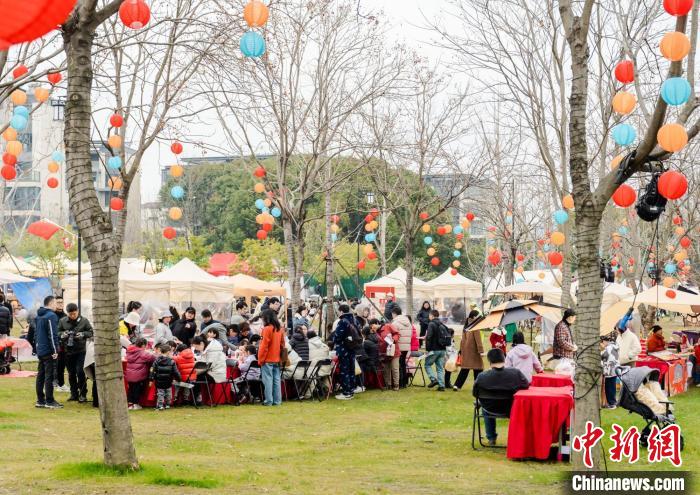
46	337
370	346
5	316
186	328
73	331
437	354
164	372
389	306
60	376
423	318
300	343
499	381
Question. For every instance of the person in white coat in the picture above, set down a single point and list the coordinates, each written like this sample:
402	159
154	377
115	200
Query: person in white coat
163	333
403	325
214	356
523	358
629	346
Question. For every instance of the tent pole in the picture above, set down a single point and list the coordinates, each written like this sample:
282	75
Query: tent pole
80	273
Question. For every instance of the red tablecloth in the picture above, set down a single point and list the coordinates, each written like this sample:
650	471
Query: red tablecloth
655	363
551	380
536	418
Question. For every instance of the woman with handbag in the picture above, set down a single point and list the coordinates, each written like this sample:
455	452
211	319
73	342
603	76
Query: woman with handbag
390	355
471	350
272	356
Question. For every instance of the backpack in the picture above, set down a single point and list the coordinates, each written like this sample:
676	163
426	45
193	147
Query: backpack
353	341
444	339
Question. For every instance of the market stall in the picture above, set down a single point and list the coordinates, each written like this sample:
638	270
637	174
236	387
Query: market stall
247	286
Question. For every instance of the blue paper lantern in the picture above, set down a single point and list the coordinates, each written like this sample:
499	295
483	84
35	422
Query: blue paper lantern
334	237
58	156
545	248
670	268
509	219
177	192
427	240
21	110
676	91
370	237
276	212
561	216
624	134
114	162
18	122
456	253
490	241
265	209
622	230
458	229
252	44
541	265
259	204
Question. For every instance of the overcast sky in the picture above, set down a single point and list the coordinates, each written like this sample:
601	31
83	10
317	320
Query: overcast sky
404	18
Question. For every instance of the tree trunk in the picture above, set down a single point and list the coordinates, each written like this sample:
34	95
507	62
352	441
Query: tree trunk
294	241
382	236
566	300
104	253
330	256
408	266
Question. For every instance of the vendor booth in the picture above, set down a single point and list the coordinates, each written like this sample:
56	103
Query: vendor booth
187	282
395	283
247	286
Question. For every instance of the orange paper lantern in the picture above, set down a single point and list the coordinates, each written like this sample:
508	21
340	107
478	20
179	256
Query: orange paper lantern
14	148
114	141
616	162
568	201
114	183
256	13
672	137
668	281
431	251
624	102
18	97
558	238
259	187
53	167
9	134
675	46
175	213
41	94
177	170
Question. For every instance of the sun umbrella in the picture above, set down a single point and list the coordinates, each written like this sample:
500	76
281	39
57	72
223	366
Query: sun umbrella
514	311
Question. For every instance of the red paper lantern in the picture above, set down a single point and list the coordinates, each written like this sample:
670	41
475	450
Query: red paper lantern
672	184
423	215
116	120
52	182
685	242
494	258
335	218
677	220
169	233
54	77
613	262
630	261
678	8
19	71
441	230
176	147
492	228
624	72
261	235
117	204
259	172
374	212
135	14
555	258
9	159
361	265
453	271
520	257
625	196
460	236
27	21
8	172
368	218
372	255
470	216
435	261
267	227
671	294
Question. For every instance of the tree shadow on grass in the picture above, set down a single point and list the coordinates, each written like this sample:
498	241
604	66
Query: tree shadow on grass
147	475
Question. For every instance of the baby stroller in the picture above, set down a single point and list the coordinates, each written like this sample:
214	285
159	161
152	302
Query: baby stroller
632	379
6	358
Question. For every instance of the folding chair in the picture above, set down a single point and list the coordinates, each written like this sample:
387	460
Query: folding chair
301	365
479	413
230	383
331	379
203	379
412	371
253	384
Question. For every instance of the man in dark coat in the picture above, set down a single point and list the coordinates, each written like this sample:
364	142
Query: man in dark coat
186	328
74	330
60	376
5	316
345	351
47	352
389	306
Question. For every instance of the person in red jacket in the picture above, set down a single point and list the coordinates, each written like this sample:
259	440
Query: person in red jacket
185	365
138	366
498	339
390	364
269	358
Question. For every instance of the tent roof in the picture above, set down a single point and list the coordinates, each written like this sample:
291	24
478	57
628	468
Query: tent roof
188	282
11	278
448	285
397	280
26	269
683	302
528	288
246	286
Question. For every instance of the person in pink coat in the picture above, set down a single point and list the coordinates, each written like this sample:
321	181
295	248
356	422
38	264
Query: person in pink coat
138	367
522	357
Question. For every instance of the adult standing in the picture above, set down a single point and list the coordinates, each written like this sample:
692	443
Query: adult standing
60	377
423	318
437	339
389	307
269	357
5	316
47	352
403	325
74	331
186	328
563	347
471	350
362	311
629	345
344	345
390	361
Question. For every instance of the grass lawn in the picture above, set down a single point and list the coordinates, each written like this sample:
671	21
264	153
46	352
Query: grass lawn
413	441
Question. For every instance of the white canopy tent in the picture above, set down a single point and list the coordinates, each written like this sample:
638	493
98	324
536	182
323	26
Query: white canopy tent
549	293
682	302
19	266
455	286
247	286
397	281
187	282
612	293
12	278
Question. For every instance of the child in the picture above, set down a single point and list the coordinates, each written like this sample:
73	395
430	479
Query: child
138	362
498	339
247	373
232	334
185	365
164	373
